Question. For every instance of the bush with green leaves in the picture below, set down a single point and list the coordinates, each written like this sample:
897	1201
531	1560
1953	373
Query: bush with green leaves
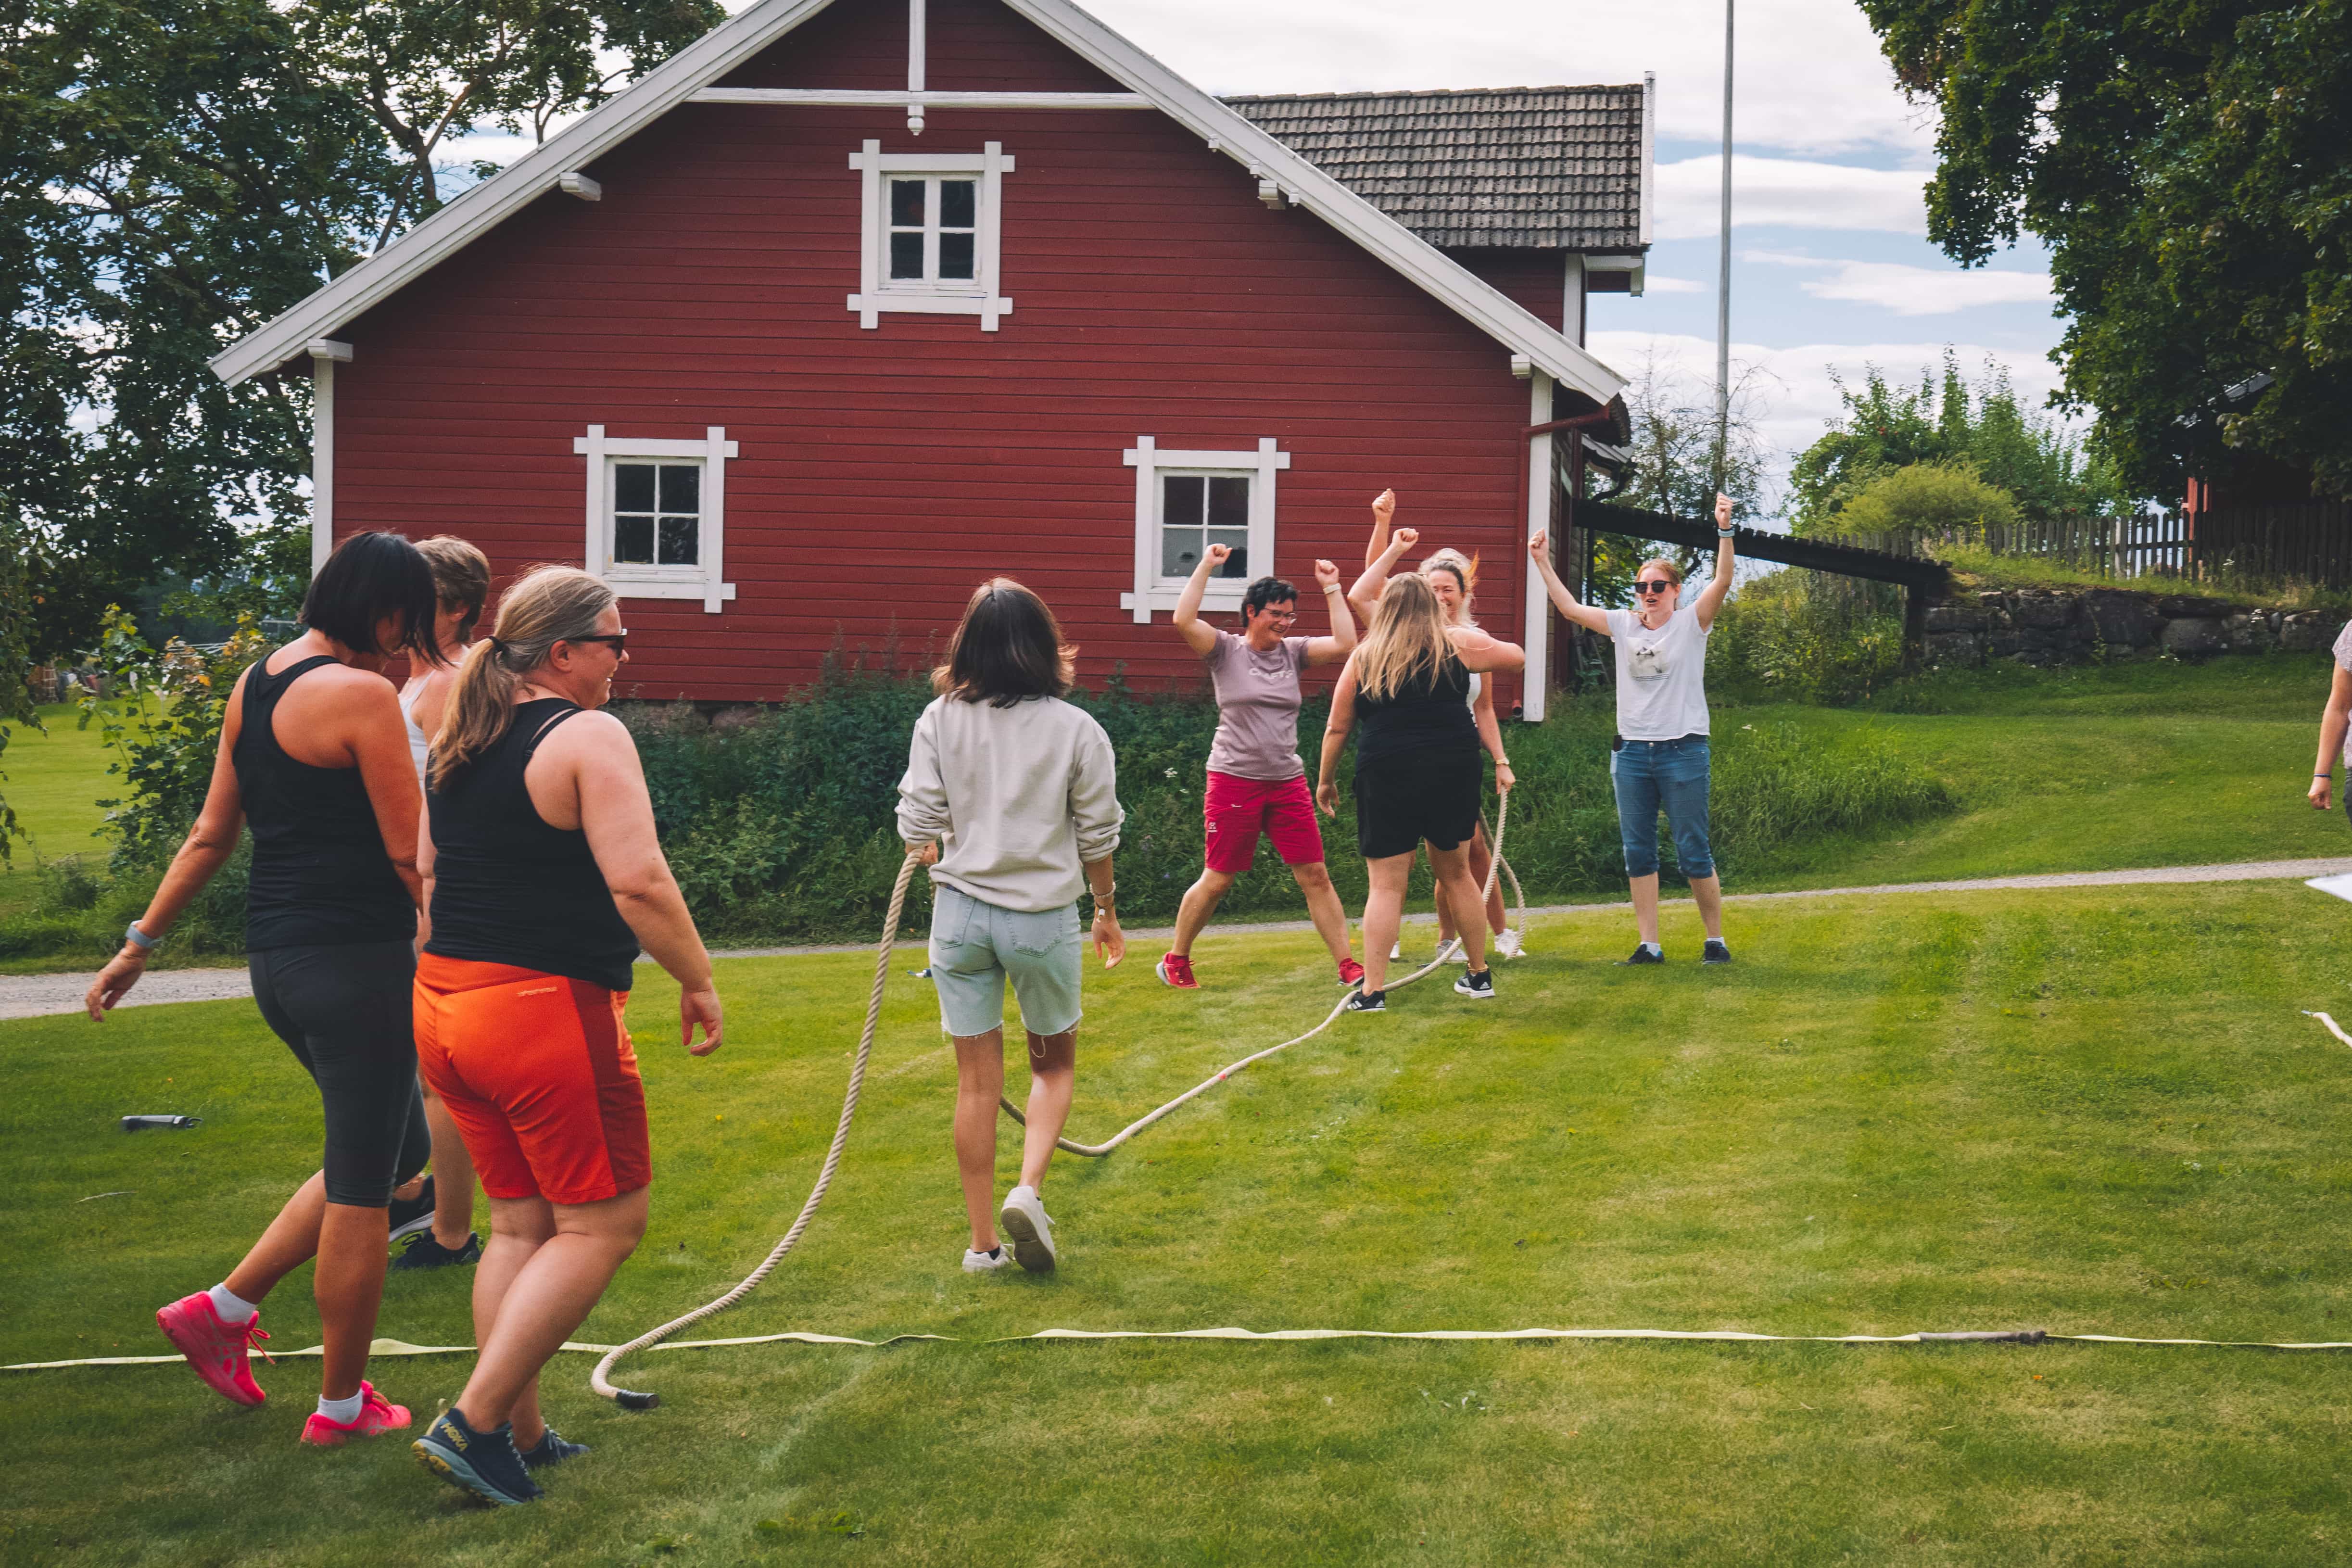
1806	637
1938	500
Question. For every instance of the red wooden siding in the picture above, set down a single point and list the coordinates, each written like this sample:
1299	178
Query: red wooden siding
884	473
1536	281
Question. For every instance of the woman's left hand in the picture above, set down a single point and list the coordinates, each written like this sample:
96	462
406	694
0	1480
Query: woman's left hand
1110	943
114	982
1504	778
1326	575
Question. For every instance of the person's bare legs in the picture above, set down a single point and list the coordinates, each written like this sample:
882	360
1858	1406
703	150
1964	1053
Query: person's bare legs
349	1241
453	1175
1646	906
1053	1084
1383	914
1453	870
545	1299
1323	907
979	1084
1481	860
519	1229
1708	892
1201	901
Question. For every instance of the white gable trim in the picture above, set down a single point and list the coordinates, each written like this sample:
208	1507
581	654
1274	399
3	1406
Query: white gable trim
733	43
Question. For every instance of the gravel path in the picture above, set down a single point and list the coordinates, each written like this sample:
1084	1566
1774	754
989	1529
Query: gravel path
40	996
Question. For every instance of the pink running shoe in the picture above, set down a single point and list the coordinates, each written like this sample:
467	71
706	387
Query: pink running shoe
1350	972
377	1415
216	1350
1175	969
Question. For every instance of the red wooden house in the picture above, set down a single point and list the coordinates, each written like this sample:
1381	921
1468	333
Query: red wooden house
850	305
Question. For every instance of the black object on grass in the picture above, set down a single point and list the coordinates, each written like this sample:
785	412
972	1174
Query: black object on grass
133	1123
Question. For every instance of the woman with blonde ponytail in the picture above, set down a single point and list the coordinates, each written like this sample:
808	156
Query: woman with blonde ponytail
543	874
1408	683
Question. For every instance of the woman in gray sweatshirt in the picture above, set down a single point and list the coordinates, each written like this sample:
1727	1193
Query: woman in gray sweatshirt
1011	796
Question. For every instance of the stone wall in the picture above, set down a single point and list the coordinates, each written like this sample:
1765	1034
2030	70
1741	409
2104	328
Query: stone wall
2077	626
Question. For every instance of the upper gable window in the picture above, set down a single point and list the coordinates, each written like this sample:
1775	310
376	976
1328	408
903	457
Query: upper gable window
931	223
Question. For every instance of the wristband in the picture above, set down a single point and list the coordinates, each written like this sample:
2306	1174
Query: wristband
2329	774
1725	532
138	939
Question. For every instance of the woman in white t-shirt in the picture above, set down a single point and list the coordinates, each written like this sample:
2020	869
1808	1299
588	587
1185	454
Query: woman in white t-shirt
1659	755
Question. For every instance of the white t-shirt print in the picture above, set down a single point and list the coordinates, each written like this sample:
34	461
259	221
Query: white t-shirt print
1661	676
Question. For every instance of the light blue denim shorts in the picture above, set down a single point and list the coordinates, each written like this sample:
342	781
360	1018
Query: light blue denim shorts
976	947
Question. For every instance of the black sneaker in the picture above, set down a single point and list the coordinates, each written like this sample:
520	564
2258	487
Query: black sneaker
482	1463
1645	954
1479	984
1715	952
1368	1002
552	1450
424	1252
410	1215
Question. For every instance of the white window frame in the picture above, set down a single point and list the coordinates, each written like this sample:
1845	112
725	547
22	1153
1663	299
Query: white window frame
1151	463
876	292
705	578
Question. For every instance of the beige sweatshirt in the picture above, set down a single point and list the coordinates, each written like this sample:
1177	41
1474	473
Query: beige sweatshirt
1017	798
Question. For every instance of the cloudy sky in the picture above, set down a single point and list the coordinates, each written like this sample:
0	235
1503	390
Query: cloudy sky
1831	268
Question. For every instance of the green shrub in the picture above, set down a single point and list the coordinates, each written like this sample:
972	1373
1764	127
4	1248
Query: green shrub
1806	637
1941	499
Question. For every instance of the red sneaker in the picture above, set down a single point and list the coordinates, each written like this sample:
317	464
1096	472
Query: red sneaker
377	1415
1350	972
216	1350
1175	969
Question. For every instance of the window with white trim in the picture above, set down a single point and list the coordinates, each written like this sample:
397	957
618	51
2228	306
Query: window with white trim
931	228
1186	500
656	515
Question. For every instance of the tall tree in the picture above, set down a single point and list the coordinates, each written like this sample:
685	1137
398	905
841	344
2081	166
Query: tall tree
174	173
2185	162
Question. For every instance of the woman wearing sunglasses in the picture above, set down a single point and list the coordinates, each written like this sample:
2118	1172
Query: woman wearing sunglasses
1659	755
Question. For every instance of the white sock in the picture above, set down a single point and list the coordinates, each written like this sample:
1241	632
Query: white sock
1654	947
232	1307
341	1411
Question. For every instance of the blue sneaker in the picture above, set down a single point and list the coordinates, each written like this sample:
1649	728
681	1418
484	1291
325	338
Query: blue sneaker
552	1450
483	1463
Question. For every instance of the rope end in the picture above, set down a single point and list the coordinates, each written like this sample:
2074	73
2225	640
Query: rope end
630	1399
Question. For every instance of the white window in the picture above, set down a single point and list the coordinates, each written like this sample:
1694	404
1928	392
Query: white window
931	233
1186	501
656	515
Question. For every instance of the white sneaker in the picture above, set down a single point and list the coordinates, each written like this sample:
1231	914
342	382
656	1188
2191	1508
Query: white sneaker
1507	942
1396	951
1460	954
982	1262
1028	1228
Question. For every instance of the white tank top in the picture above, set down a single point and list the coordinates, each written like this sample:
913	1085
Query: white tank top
419	745
1474	684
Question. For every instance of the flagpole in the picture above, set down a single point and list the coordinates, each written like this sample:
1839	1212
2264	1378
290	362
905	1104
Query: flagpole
1723	290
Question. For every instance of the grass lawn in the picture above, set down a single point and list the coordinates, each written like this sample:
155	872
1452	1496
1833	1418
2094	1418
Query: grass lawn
54	781
2083	1110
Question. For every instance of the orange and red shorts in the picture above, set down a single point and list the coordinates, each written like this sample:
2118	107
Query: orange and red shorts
538	1073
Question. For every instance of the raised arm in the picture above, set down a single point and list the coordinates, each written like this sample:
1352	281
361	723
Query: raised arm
1365	596
1336	731
1483	653
1586	615
1710	598
1342	640
1384	511
1199	635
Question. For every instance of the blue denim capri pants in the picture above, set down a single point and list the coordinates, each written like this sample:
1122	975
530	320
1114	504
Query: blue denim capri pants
1672	775
977	946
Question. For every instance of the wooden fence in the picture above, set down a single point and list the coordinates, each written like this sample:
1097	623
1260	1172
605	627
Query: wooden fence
2311	543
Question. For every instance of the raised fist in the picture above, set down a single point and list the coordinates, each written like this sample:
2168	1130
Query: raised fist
1384	506
1325	575
1218	553
1407	537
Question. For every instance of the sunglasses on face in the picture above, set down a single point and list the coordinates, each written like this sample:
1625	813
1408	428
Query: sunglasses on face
1653	586
617	641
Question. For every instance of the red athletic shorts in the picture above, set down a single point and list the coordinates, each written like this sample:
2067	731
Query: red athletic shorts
1237	809
538	1073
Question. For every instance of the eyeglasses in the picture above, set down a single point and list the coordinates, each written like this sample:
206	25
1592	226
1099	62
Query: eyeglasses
619	641
1654	585
1285	616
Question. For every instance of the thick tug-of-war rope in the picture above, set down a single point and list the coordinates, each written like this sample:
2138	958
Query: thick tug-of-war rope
1097	1151
601	1379
2332	1029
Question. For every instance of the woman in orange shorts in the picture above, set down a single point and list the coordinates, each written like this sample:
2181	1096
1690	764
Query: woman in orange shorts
544	875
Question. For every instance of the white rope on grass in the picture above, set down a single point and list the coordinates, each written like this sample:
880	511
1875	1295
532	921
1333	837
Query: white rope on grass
601	1379
1097	1151
2332	1029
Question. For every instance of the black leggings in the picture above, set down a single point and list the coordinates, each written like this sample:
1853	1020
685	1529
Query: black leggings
343	1011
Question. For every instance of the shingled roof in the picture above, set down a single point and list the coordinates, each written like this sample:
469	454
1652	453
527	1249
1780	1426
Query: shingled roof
1543	168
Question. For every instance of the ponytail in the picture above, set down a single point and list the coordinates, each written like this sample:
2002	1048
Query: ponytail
548	605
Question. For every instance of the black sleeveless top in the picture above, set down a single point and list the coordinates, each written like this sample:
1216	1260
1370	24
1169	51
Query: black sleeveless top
507	888
1431	714
321	875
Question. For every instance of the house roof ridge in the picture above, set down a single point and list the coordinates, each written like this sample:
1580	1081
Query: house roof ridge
1426	92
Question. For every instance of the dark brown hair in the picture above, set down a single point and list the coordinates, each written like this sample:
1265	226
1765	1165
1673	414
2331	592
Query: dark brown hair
1008	647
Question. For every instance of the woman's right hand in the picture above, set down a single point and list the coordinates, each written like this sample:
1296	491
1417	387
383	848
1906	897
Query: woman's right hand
1326	798
1404	539
1219	554
113	982
1536	542
699	1008
2319	784
925	854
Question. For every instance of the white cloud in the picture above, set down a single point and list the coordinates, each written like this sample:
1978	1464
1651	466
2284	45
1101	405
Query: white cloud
1792	191
1658	283
1910	290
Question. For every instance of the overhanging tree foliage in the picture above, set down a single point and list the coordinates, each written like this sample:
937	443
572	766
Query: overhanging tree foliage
174	173
2186	164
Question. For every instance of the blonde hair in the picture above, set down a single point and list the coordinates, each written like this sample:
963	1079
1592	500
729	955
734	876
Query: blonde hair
1407	645
461	576
1674	569
547	605
1465	573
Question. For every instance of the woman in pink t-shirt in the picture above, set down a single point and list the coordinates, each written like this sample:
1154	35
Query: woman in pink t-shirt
1257	781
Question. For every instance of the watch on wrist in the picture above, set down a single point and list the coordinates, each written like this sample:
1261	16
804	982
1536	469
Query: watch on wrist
138	939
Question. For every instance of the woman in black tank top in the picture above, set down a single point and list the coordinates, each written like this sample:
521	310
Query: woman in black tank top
1418	768
314	759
